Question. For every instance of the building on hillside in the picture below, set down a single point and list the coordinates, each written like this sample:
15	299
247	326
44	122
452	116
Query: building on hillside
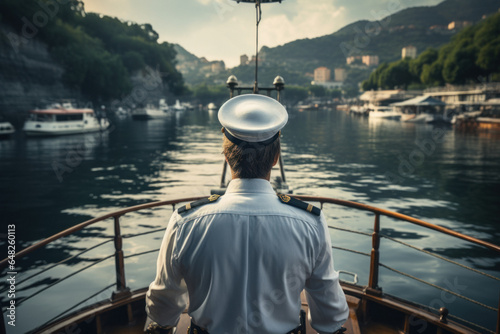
218	66
322	74
409	52
243	59
340	75
454	25
370	60
351	59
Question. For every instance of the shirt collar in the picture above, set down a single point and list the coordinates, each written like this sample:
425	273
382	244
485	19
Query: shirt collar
249	186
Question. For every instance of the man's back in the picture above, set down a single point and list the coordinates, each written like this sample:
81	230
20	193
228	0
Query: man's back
243	260
246	258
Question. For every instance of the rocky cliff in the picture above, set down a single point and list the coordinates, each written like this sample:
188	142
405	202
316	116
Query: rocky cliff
29	77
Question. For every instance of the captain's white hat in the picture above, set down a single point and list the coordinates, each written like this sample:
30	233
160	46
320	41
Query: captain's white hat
252	118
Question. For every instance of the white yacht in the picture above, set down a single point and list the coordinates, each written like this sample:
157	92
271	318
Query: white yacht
211	106
178	106
6	129
360	110
63	119
150	112
383	112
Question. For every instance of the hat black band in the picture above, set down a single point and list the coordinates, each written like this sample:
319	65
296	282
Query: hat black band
239	142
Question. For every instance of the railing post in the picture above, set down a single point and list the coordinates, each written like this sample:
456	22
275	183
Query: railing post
374	258
121	285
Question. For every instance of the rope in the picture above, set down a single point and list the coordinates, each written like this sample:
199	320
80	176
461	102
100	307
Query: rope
441	257
64	278
426	307
350	250
60	262
142	253
439	288
351	231
125	236
472	323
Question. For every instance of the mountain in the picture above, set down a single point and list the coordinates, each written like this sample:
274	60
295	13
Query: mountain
422	27
195	70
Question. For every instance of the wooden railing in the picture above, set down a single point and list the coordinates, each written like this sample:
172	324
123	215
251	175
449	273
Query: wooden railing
122	290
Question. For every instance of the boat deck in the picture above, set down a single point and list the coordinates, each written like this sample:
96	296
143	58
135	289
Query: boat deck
352	324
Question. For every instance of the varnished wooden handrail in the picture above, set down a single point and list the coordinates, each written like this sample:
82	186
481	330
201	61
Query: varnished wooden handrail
400	217
80	226
122	290
351	204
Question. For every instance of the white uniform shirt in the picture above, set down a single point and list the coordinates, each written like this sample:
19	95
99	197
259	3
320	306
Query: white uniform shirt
243	261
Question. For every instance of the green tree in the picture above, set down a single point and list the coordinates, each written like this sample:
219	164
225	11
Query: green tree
460	65
317	90
432	74
427	57
396	75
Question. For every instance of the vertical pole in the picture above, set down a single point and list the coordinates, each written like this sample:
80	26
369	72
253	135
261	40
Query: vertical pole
374	259
223	177
121	285
282	169
258	16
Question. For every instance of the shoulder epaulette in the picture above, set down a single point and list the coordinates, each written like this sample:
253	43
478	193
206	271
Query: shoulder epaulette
197	203
299	204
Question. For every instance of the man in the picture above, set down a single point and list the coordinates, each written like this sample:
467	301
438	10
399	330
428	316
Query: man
243	259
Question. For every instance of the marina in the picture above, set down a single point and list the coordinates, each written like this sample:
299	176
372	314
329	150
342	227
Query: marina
67	180
474	107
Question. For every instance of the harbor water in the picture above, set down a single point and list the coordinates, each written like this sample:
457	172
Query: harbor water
430	172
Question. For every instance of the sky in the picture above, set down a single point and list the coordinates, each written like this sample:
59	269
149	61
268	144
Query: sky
224	29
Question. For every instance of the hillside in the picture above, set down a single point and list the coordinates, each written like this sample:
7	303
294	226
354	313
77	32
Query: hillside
79	55
195	70
422	27
471	56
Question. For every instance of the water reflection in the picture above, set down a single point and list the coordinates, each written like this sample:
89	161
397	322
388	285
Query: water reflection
326	153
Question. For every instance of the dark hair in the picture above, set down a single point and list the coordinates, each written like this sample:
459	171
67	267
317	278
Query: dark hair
250	160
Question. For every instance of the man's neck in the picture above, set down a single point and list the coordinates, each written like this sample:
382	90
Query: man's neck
268	177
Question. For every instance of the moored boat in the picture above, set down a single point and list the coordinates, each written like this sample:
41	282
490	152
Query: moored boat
422	109
150	111
6	129
178	106
359	110
63	119
211	106
383	112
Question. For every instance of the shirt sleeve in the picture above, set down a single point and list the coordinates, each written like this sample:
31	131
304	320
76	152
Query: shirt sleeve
167	296
328	309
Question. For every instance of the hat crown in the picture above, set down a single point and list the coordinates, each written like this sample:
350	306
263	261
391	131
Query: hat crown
252	117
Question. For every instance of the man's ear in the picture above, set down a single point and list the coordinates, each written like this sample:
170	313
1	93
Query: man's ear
276	158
